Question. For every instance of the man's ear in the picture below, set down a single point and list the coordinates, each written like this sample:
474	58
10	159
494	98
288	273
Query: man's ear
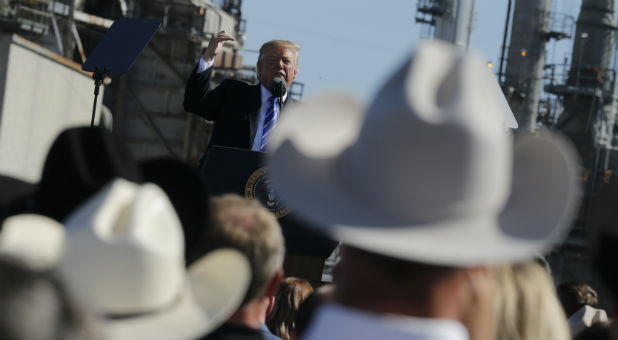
258	74
271	305
273	285
295	71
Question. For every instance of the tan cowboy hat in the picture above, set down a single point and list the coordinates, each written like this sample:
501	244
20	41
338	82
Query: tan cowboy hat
426	172
123	255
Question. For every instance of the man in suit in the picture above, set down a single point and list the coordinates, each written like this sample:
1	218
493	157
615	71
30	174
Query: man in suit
240	110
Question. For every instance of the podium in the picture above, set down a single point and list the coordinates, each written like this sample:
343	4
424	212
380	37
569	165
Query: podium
243	172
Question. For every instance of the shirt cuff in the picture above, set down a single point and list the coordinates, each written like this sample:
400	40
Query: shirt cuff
203	65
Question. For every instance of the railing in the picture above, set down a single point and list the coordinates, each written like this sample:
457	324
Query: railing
28	17
426	10
561	26
563	79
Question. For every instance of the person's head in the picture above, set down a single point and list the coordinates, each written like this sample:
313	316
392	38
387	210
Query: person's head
574	295
250	228
292	292
408	287
526	305
35	304
277	58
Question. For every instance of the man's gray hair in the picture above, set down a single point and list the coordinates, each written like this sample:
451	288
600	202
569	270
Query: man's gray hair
249	227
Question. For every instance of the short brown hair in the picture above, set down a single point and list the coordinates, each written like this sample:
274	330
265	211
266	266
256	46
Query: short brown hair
574	295
269	44
252	229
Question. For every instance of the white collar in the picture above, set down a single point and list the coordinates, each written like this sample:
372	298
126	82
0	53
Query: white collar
335	321
266	94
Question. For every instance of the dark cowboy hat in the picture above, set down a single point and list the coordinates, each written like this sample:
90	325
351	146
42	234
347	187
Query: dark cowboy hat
84	159
80	161
14	194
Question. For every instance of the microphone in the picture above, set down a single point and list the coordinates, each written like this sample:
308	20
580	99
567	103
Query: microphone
278	87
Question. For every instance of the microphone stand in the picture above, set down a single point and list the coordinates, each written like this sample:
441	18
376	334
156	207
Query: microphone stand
98	77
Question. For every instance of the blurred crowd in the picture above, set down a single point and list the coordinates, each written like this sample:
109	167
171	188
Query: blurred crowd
444	216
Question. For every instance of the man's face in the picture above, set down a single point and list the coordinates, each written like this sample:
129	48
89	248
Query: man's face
278	61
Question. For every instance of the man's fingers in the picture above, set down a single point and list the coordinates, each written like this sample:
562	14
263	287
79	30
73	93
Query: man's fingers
222	36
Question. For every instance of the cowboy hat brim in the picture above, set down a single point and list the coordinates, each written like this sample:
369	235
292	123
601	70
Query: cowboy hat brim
216	285
305	164
35	239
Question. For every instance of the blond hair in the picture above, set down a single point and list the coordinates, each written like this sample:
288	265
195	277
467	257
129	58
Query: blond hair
270	44
249	227
526	304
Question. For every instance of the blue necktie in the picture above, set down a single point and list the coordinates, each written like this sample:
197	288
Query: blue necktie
272	114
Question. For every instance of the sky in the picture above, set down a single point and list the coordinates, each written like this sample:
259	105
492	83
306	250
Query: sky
354	45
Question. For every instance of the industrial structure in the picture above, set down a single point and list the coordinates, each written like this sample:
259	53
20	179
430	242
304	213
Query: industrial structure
32	79
448	20
522	80
588	92
578	97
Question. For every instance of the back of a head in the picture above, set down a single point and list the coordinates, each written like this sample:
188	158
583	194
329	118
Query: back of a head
292	292
250	228
35	305
526	306
574	295
413	278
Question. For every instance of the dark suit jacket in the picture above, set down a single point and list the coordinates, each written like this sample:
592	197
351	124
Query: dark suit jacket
234	106
234	331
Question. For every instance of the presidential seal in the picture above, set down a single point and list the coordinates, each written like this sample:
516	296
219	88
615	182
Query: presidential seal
259	187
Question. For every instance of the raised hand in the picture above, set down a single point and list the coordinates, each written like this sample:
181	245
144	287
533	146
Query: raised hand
214	46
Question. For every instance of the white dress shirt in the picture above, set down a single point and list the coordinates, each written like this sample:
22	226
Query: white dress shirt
335	321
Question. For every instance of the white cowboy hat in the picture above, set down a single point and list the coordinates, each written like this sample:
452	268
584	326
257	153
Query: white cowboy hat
34	239
586	317
124	256
427	172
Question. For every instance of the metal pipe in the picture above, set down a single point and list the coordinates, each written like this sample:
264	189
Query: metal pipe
523	75
506	32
